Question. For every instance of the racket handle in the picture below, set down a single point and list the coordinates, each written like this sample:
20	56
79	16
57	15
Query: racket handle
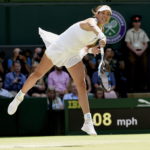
102	50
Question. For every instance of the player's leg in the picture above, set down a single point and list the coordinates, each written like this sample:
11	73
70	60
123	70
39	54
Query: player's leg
43	67
78	74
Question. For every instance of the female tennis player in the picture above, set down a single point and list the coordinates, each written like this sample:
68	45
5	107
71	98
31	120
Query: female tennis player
66	51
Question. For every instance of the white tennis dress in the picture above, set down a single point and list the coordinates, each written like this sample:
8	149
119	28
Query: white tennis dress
65	49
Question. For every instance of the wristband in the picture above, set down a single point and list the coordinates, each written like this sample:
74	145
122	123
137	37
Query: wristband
101	36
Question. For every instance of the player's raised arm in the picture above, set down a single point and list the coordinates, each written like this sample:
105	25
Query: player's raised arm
96	24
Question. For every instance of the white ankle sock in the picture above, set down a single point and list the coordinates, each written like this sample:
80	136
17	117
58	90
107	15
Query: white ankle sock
87	116
20	95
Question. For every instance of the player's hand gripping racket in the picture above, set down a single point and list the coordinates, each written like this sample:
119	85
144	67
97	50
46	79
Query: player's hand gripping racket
102	73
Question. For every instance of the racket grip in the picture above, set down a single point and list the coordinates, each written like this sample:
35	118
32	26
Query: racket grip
102	50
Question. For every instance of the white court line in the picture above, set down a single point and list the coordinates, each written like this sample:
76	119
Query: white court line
36	145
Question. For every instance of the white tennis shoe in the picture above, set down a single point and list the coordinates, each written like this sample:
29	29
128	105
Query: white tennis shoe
88	127
12	108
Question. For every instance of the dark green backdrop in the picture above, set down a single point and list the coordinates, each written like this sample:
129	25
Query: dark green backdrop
33	118
20	21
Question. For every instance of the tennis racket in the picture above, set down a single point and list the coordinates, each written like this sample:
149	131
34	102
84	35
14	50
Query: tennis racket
103	74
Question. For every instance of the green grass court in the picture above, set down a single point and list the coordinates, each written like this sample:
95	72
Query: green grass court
100	142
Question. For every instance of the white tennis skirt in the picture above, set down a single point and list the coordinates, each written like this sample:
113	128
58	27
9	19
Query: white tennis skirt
59	55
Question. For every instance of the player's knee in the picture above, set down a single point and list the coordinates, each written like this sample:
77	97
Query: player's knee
82	84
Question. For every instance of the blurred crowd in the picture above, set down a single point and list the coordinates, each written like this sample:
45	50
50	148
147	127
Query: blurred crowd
128	71
15	70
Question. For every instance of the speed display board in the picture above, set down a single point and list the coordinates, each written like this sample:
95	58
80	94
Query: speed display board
110	116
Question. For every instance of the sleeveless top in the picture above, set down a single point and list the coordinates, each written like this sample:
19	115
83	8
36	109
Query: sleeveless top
75	38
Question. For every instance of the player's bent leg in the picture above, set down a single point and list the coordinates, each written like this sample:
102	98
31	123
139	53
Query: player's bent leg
44	66
78	74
